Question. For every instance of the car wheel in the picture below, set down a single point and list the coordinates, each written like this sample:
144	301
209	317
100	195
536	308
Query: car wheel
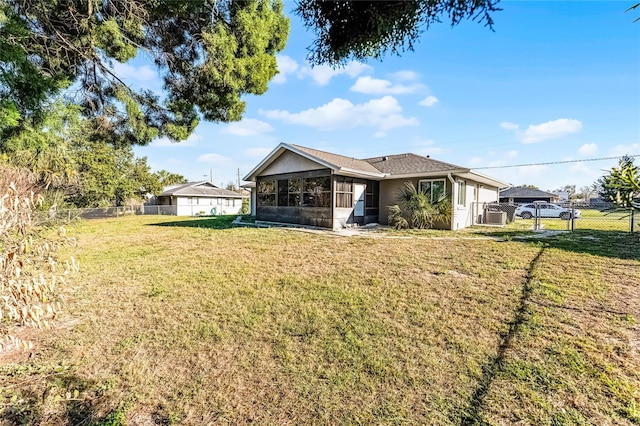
526	215
565	216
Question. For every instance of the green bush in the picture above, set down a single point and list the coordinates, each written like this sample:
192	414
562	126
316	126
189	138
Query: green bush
416	209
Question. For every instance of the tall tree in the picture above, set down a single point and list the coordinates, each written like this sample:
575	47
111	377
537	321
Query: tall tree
167	178
622	184
208	52
370	28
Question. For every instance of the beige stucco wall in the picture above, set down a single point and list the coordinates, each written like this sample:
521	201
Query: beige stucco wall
463	216
389	189
290	162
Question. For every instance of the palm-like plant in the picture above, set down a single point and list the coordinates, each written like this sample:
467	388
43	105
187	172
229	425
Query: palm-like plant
416	209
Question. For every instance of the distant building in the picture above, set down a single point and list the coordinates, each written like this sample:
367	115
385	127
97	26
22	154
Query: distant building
197	199
563	195
523	194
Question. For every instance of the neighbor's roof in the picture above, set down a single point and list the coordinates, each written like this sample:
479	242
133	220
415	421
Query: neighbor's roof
199	189
524	192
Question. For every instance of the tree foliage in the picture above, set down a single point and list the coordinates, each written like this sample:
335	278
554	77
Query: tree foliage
73	165
622	184
416	209
209	54
363	29
167	178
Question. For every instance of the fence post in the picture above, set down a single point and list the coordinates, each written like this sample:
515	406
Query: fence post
573	217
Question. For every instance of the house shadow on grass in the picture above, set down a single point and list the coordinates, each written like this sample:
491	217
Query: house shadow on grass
207	222
613	244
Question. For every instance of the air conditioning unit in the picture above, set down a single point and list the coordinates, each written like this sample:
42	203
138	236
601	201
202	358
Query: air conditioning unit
496	218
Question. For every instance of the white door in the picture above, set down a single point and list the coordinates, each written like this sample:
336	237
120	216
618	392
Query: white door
358	197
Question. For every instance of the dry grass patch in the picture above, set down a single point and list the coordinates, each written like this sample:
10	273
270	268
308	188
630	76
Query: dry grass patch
180	324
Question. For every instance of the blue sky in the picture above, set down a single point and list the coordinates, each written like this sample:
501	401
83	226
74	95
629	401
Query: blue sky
556	81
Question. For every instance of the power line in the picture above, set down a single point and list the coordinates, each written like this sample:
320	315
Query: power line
553	162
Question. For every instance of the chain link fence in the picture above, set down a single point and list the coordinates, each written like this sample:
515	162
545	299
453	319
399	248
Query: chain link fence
69	215
563	217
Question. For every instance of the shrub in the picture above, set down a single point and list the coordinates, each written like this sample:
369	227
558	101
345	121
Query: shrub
29	273
415	209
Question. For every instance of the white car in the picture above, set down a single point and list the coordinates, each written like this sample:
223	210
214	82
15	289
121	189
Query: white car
527	211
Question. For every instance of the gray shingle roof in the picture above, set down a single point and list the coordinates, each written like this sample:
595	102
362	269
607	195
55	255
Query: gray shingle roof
524	192
405	164
340	161
199	189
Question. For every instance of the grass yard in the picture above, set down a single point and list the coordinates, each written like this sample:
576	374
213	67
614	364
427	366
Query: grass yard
188	321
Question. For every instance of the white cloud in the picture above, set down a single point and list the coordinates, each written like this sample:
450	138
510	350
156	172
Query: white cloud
322	74
164	142
376	86
257	152
588	149
384	114
509	126
550	130
139	74
512	154
213	158
429	101
248	127
424	142
475	161
580	167
286	66
620	150
434	150
404	75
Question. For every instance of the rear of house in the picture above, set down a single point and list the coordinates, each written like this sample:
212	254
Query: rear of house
304	186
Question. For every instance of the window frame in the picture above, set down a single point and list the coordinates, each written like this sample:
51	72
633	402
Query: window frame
431	181
344	192
262	194
321	198
462	193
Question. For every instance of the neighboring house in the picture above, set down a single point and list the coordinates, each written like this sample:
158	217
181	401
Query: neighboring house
522	194
562	195
198	199
305	186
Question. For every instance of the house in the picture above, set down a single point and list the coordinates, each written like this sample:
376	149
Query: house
523	194
196	199
300	185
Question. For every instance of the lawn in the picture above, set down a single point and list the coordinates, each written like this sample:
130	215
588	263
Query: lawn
189	321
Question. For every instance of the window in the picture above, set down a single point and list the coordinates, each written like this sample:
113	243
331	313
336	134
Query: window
344	192
266	193
289	192
317	192
434	188
462	193
294	189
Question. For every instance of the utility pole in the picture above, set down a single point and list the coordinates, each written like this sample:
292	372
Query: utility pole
238	179
211	175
